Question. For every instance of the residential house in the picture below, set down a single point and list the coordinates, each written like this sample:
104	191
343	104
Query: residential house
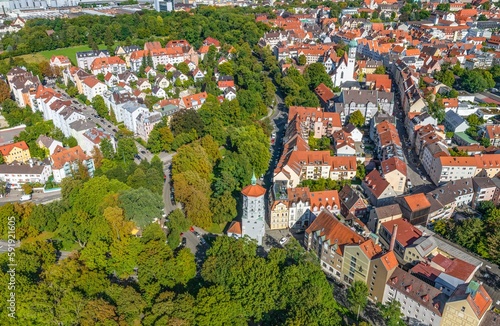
314	120
18	174
420	302
130	113
103	65
15	152
23	87
225	82
455	123
325	96
278	216
158	92
305	165
382	214
377	82
484	190
125	52
409	243
127	77
48	143
352	202
354	132
116	99
378	118
343	143
60	62
161	81
78	129
487	165
143	84
368	102
84	59
431	151
378	189
230	94
111	80
394	171
493	134
198	75
415	208
467	305
66	161
448	168
194	101
347	255
146	122
446	198
93	87
93	137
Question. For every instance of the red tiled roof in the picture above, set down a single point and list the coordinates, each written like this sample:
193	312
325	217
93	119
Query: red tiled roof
376	183
333	231
253	191
393	164
235	228
63	155
6	149
324	93
406	233
417	202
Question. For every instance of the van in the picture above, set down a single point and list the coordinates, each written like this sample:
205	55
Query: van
25	197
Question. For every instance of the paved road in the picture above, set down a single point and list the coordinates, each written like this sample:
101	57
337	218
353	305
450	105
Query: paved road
169	205
37	198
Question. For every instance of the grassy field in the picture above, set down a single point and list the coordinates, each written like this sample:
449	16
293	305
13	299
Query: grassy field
69	52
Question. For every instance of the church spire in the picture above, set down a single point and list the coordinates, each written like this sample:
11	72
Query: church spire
254	179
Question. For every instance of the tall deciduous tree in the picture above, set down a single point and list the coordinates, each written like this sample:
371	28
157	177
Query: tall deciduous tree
357	296
357	119
4	91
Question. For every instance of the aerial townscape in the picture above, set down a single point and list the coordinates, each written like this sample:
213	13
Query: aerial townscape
245	162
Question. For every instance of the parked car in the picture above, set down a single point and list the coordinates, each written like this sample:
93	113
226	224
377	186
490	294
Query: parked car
143	152
137	156
283	240
25	197
197	234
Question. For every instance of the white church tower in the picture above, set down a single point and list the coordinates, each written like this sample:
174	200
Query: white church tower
253	218
345	69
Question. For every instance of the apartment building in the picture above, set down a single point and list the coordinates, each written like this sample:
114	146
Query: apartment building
15	152
420	302
448	168
84	59
467	306
379	215
66	161
18	174
347	255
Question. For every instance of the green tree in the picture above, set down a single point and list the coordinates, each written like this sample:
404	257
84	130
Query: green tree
391	312
357	296
126	149
302	60
316	74
100	106
357	119
177	223
360	171
380	70
184	121
107	149
141	206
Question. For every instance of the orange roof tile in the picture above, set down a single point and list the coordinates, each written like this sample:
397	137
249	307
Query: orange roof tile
253	191
333	231
406	233
62	156
457	161
6	149
393	164
389	260
417	202
235	228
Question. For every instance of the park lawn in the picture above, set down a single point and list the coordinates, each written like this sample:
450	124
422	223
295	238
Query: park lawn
68	52
31	58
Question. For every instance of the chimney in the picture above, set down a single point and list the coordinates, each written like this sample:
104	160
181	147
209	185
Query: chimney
393	237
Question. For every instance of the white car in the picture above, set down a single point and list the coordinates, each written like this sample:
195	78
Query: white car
283	240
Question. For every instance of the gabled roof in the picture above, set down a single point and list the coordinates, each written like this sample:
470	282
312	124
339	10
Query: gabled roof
375	183
332	231
406	234
62	156
475	294
419	291
324	93
6	149
394	164
417	202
